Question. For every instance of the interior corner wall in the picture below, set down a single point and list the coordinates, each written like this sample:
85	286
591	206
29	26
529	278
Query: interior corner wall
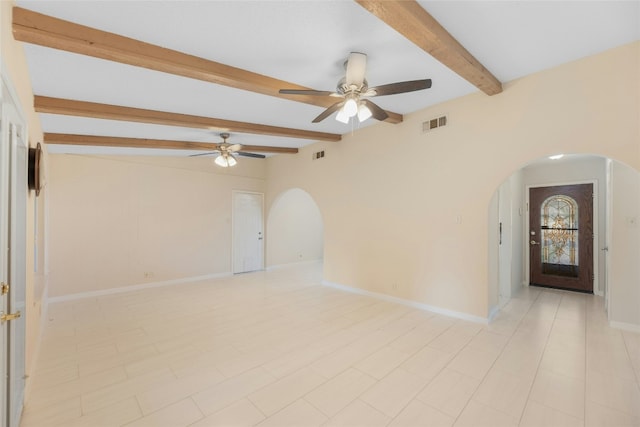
122	221
519	234
416	227
624	251
294	229
493	253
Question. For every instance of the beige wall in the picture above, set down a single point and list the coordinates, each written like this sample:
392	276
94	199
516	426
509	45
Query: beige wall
15	73
416	227
294	229
121	221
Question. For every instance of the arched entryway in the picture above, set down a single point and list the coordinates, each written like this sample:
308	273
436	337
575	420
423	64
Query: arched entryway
616	235
295	231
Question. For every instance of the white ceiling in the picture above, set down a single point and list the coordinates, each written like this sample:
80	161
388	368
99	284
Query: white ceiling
304	42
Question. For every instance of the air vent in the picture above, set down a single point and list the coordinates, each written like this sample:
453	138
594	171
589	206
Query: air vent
318	155
435	123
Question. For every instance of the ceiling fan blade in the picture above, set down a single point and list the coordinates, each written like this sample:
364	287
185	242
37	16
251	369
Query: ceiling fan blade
245	154
307	92
204	154
234	147
377	112
356	67
268	149
329	111
400	87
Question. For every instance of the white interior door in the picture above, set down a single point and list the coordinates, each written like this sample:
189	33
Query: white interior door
13	212
4	263
248	232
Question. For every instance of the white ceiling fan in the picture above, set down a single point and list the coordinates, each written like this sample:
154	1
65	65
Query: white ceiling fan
354	90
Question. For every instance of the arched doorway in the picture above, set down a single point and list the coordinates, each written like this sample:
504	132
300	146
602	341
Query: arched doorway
616	235
295	231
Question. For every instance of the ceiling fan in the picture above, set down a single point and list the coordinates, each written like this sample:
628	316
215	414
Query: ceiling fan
354	91
227	152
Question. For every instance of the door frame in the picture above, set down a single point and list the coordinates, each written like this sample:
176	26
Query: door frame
233	216
596	230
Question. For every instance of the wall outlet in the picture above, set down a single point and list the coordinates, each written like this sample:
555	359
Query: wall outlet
148	274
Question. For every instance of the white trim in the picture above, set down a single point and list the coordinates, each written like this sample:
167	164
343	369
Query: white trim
131	288
493	313
44	317
410	303
625	326
293	264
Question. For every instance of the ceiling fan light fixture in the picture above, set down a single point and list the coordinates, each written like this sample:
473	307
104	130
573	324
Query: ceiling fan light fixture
350	107
342	116
363	112
225	160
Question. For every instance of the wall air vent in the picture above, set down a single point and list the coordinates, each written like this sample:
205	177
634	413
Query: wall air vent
435	123
318	155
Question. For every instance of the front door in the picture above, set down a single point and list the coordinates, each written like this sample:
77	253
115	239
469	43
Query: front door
561	237
248	238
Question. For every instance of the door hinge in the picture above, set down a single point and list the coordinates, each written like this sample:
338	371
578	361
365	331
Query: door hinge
4	288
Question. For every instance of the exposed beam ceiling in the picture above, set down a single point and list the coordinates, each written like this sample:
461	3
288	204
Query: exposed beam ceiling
43	30
416	24
108	141
69	107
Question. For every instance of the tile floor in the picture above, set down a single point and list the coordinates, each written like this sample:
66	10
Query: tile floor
278	349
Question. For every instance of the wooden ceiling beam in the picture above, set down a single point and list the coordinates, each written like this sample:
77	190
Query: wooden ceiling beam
409	19
109	141
68	107
36	28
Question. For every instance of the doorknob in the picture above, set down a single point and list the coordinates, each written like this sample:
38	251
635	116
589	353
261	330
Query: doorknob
12	316
4	288
533	242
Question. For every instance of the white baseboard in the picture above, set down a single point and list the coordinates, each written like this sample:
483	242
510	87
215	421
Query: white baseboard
625	326
493	312
293	264
410	303
130	288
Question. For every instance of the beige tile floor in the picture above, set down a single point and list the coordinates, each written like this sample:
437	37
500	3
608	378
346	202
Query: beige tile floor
278	349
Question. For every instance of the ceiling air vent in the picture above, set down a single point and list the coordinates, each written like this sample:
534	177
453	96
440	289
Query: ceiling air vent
318	155
432	124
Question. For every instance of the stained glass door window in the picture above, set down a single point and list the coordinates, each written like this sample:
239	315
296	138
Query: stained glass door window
559	240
